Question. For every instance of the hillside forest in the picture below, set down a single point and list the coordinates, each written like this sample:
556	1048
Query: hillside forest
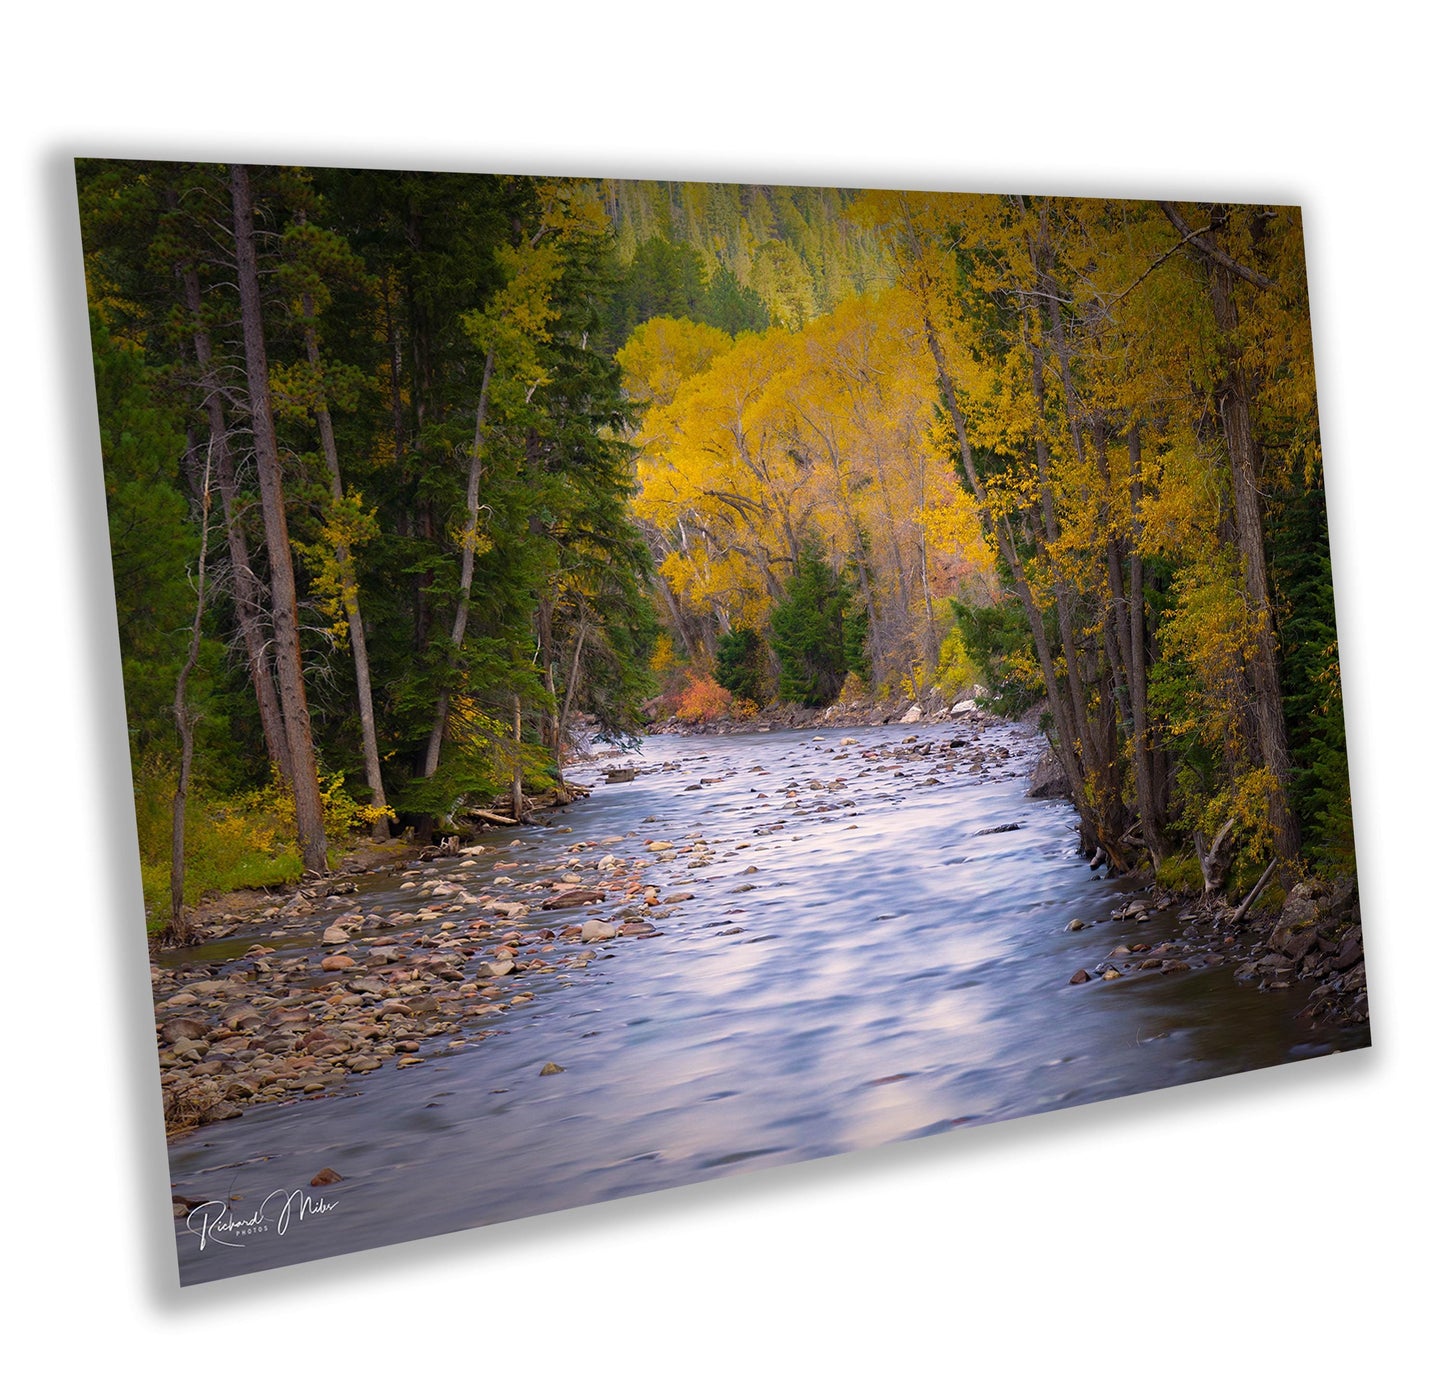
410	475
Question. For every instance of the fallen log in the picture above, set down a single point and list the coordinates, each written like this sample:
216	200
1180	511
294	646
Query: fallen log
481	814
1243	909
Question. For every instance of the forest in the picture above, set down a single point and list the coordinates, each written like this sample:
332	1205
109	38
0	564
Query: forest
408	472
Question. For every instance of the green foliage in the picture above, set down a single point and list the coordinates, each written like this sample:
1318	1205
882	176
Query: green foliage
153	541
1180	874
1310	675
742	664
956	671
244	841
730	306
997	640
816	632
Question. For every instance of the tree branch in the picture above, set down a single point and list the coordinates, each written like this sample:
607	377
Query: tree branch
1199	239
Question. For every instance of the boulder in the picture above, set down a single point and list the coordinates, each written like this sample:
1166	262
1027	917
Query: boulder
183	1028
1352	949
1049	779
1297	929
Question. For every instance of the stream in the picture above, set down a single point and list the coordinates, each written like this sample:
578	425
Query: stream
877	947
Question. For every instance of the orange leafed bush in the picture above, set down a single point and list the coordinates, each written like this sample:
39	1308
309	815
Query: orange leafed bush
704	700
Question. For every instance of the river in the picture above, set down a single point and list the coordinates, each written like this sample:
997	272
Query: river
867	957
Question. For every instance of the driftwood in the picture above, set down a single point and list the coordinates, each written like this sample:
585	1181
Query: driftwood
1254	894
482	815
1215	862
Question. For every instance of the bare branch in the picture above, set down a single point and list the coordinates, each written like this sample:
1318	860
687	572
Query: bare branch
1198	238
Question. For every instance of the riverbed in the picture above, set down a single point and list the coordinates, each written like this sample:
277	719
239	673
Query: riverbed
856	937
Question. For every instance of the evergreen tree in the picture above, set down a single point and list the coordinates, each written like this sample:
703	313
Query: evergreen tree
730	306
816	634
742	664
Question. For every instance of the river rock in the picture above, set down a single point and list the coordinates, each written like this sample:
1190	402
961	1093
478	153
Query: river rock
573	899
326	1177
1078	978
550	1068
1351	951
596	931
239	1016
1049	779
183	1028
337	962
1296	931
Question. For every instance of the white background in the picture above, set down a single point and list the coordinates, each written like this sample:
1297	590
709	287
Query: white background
1277	1231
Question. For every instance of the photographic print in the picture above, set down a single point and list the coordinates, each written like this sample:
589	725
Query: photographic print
630	682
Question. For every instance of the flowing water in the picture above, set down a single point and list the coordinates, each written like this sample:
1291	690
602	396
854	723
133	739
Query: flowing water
895	966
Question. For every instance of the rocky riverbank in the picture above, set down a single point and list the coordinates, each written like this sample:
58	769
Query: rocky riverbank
406	954
1315	939
933	707
340	986
399	956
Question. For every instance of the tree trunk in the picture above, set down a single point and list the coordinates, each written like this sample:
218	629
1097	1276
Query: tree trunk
350	599
185	720
1145	781
1232	397
305	788
246	588
565	714
469	559
518	810
1067	747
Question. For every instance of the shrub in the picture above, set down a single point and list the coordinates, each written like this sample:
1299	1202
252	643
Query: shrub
957	671
703	701
1180	874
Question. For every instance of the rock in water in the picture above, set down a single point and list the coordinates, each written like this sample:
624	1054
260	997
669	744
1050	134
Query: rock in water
1049	779
326	1177
550	1068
